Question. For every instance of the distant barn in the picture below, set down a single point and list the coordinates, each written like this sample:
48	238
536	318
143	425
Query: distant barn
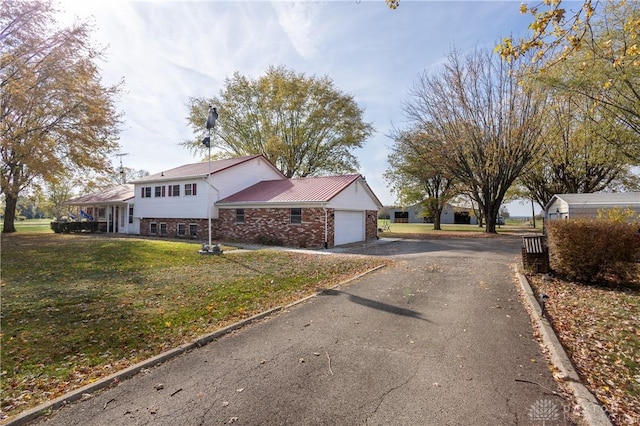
451	214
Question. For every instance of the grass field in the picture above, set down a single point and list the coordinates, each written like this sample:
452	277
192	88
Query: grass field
426	229
79	307
31	225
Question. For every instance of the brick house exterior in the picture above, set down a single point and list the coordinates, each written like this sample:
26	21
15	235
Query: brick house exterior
262	225
273	226
250	201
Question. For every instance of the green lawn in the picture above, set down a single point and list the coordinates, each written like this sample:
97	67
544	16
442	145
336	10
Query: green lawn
396	229
31	225
79	307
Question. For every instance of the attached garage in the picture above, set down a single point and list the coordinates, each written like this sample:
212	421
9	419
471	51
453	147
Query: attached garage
349	227
322	211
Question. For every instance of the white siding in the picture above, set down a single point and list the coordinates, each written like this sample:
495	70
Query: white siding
354	197
225	182
559	209
191	206
242	176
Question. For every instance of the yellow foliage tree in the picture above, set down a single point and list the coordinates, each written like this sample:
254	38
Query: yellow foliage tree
302	124
56	116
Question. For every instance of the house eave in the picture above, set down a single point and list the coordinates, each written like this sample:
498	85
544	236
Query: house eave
170	179
272	204
98	203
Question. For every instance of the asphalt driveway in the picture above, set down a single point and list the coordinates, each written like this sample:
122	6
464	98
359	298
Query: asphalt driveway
440	338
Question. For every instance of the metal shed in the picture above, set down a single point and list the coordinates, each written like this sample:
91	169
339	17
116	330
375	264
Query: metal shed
586	206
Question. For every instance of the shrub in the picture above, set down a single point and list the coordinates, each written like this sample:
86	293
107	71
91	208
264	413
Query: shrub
268	240
68	227
593	250
618	214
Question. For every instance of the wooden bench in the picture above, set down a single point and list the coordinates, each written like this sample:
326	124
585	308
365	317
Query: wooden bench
535	254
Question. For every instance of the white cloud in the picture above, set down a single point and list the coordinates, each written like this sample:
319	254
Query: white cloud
297	20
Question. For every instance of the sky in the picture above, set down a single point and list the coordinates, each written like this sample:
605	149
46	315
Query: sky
169	51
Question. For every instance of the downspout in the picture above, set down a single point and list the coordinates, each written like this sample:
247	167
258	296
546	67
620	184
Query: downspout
326	226
206	179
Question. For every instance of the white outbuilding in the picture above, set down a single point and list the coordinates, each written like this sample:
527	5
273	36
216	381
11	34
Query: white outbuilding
587	206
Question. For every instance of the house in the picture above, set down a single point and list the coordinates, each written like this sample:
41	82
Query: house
250	200
111	208
451	214
309	212
582	206
178	202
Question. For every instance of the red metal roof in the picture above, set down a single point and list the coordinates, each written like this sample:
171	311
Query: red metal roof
313	189
197	169
116	194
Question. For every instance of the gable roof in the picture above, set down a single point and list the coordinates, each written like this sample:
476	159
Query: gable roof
319	189
115	194
199	170
599	198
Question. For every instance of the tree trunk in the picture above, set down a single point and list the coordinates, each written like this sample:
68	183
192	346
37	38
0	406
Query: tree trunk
490	216
436	219
9	213
491	225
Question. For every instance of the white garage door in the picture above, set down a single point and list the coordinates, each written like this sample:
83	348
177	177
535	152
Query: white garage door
349	227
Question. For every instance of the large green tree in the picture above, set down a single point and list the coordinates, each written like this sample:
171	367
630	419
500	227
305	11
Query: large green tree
488	122
592	51
56	115
304	125
581	152
417	172
592	129
605	71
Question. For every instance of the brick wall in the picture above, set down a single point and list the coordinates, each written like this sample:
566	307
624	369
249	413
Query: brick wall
172	227
273	225
371	225
266	225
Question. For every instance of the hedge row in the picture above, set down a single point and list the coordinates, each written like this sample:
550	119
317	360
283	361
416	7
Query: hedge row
594	250
68	227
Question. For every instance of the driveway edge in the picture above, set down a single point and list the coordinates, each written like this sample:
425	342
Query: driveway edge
32	414
592	411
